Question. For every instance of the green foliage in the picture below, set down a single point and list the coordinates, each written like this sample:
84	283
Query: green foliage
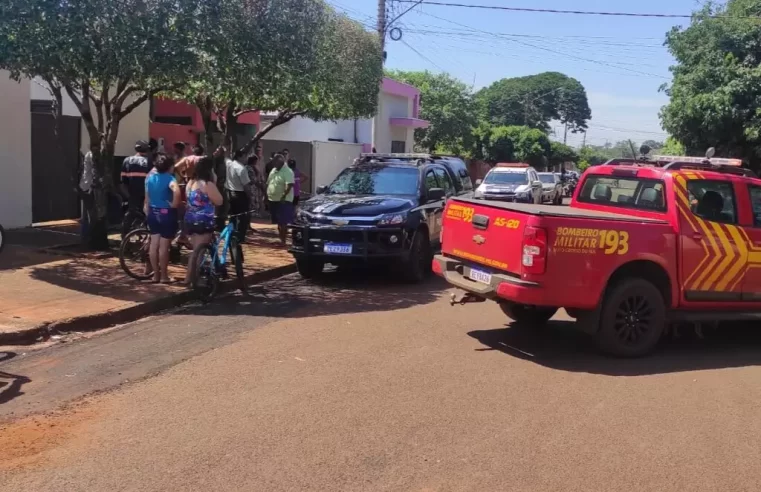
290	57
536	100
561	153
672	147
447	104
517	144
716	91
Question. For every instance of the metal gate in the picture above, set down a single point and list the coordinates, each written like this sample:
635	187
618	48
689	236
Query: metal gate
54	172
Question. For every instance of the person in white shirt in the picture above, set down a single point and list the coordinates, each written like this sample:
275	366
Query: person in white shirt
237	187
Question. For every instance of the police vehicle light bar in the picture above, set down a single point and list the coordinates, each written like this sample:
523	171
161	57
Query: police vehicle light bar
716	161
511	164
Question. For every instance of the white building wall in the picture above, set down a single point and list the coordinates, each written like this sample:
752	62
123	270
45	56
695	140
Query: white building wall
15	153
306	130
329	159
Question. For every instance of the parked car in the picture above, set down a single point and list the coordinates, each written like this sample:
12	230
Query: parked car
511	182
641	247
382	209
456	167
552	188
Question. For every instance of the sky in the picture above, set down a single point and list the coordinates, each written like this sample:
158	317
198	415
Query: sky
621	61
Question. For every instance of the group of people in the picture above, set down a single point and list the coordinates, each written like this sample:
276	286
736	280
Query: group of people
180	193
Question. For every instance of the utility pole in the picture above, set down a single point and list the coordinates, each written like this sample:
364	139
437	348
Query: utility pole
382	36
565	134
584	142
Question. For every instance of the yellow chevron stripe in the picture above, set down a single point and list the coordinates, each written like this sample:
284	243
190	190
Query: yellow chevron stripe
742	259
689	217
729	254
714	247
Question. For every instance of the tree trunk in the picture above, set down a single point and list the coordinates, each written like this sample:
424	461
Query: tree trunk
231	128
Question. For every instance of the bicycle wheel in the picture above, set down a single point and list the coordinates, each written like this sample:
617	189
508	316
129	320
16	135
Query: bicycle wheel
133	254
236	253
205	279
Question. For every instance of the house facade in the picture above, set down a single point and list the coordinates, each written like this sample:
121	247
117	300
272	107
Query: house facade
395	123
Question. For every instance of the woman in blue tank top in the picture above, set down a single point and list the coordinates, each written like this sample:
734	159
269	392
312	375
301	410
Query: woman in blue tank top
162	197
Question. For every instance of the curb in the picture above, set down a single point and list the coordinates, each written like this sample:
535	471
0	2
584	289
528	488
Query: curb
99	321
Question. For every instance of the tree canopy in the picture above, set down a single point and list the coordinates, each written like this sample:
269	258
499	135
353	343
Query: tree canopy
535	100
447	104
289	57
517	144
716	90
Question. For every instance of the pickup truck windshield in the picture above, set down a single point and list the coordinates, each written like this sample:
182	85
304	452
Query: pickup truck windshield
375	180
643	194
499	178
547	178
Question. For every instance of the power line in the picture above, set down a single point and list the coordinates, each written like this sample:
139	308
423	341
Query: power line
550	50
575	12
405	43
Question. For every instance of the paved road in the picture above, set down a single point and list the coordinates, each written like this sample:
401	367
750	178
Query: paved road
368	386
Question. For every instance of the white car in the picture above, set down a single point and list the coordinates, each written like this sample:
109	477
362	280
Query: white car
510	184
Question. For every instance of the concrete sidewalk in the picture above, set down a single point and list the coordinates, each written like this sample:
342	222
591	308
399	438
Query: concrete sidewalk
43	293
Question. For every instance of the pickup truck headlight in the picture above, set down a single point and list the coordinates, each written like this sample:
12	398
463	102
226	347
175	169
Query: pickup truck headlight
302	217
522	194
392	219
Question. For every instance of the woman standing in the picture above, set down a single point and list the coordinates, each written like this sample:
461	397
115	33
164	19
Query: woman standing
203	197
257	186
162	197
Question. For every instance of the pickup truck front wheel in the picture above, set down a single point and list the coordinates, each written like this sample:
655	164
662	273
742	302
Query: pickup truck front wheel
523	314
418	266
310	268
632	318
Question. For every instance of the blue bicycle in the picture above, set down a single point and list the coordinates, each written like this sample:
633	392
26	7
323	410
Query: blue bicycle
210	261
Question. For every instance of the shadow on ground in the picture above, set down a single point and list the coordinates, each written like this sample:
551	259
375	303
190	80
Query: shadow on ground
10	384
560	346
337	292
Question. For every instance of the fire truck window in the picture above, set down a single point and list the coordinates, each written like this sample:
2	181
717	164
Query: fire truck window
755	201
715	200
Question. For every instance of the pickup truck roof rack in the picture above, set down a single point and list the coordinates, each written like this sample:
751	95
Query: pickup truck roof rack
709	166
401	156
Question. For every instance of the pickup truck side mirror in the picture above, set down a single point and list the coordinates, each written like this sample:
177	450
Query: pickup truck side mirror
321	189
479	181
436	194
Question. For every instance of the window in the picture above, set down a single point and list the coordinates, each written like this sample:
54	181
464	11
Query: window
375	180
443	178
642	194
430	180
398	146
712	200
505	177
755	202
547	178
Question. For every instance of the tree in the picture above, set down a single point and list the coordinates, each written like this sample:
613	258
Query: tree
108	57
339	79
517	144
561	153
672	147
447	104
716	90
536	100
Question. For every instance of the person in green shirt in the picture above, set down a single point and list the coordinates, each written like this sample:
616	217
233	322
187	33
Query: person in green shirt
280	195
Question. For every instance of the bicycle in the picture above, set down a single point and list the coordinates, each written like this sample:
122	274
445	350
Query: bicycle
134	255
210	260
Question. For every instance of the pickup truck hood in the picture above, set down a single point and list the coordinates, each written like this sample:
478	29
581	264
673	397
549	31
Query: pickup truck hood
357	205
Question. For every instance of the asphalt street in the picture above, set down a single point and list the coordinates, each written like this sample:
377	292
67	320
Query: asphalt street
362	383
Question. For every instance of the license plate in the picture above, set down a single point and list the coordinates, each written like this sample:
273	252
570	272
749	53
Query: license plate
479	276
337	249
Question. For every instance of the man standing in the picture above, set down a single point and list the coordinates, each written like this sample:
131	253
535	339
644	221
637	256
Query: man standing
280	195
85	192
237	187
134	171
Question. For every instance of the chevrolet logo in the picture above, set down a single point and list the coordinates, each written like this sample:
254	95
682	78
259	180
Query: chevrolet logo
340	222
478	239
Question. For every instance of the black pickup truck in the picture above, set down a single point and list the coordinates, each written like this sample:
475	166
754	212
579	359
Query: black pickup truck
386	208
